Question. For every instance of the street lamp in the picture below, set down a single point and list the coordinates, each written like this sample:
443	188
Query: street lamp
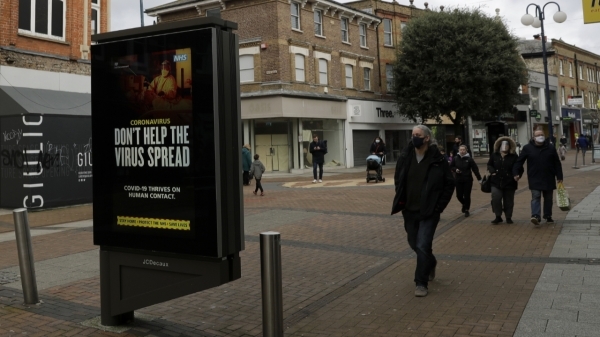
537	22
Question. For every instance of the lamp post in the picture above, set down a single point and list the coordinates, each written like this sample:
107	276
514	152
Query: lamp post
537	22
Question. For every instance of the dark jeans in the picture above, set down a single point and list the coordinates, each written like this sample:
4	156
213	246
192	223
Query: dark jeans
463	193
503	200
246	177
419	233
536	196
320	170
258	186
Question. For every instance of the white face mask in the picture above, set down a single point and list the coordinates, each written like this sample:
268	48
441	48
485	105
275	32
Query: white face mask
540	139
504	146
377	141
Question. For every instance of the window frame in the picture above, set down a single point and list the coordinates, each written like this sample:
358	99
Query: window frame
362	33
320	33
560	68
96	8
321	73
388	33
583	96
296	69
571	69
244	57
345	32
581	72
297	17
32	21
367	78
351	77
389	80
564	100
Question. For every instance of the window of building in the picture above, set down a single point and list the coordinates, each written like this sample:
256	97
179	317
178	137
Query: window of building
318	22
349	80
367	78
570	69
580	73
572	92
598	76
583	97
387	32
345	37
44	18
246	68
389	76
295	15
95	17
214	12
560	67
299	65
562	93
402	25
323	71
362	30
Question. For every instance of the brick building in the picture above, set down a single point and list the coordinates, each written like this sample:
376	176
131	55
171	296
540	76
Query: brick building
306	67
45	76
578	74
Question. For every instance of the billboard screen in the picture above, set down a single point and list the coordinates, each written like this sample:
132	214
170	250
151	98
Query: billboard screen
153	120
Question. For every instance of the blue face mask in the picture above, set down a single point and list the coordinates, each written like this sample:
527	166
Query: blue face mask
418	142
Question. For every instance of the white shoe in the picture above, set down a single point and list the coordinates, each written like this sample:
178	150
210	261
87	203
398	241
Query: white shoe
320	180
315	181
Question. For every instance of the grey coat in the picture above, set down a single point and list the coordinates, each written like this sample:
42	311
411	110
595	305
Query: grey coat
257	169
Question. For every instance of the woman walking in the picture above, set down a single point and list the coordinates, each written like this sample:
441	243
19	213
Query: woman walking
504	185
378	147
464	166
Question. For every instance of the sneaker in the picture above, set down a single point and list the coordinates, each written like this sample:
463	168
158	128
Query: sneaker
497	220
549	220
509	220
315	181
535	220
320	180
254	192
421	291
432	274
467	214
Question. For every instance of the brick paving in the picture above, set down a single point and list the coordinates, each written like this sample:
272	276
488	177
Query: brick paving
347	269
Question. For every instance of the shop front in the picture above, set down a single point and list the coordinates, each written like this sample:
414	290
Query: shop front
280	128
571	124
369	119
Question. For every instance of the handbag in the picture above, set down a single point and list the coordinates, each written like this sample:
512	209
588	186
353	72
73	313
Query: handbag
486	185
562	197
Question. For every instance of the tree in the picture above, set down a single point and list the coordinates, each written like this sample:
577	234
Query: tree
456	64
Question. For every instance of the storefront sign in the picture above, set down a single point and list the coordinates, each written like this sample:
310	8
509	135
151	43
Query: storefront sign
575	100
533	113
587	121
571	113
385	113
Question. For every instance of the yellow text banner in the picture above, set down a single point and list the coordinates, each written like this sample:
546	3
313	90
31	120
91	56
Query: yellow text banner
153	223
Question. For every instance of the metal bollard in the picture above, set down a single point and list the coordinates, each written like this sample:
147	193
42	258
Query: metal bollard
272	294
26	264
576	154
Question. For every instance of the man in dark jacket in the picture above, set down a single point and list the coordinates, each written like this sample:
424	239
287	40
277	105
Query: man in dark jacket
543	171
464	166
318	150
424	187
583	144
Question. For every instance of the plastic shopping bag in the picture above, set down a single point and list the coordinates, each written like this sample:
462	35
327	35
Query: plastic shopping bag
562	197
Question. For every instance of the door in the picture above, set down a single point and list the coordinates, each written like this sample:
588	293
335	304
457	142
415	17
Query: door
274	151
361	143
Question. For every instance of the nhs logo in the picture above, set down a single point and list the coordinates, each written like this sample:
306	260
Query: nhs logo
180	58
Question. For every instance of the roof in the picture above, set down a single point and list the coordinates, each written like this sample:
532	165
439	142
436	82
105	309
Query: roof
530	47
26	100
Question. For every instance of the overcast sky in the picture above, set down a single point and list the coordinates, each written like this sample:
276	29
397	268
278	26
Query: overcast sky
126	14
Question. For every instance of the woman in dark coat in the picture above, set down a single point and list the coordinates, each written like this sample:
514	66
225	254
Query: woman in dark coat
464	166
503	182
378	147
246	163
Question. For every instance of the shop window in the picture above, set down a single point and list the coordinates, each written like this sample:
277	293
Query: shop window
318	22
387	32
43	18
329	130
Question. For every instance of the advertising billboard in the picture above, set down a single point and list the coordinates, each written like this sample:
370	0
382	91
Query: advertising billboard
158	118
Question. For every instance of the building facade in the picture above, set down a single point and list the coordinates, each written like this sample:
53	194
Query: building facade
45	95
305	68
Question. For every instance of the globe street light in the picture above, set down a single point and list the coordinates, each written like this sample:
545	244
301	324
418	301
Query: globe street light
537	22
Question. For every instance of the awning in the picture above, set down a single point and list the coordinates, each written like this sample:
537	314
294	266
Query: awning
15	101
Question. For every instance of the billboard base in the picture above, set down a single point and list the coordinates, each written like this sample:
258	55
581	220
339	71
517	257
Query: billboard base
131	279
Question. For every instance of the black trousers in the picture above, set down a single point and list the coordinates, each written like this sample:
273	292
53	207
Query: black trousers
419	233
463	193
258	186
503	200
246	177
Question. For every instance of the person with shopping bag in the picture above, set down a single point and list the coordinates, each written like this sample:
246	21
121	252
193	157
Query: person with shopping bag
501	177
544	170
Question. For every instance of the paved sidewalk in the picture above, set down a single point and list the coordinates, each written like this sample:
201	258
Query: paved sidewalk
347	268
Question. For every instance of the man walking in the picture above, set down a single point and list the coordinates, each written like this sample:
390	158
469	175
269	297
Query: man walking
543	171
424	187
318	150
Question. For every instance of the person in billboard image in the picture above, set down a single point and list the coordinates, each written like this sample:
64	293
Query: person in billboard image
162	91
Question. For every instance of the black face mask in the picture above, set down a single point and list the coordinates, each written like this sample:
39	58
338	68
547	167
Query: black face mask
418	142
